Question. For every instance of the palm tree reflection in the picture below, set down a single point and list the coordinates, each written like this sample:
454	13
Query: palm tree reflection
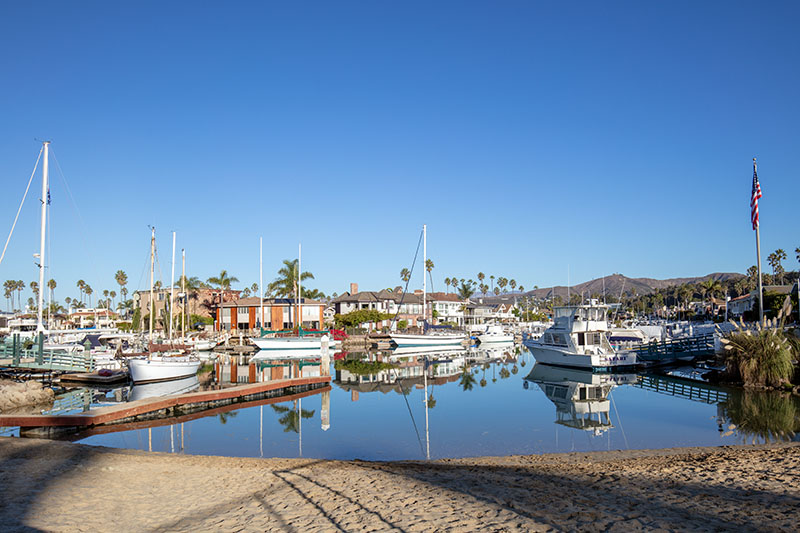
291	417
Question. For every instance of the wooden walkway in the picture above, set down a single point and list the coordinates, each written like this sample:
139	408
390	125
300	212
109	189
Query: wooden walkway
671	350
182	404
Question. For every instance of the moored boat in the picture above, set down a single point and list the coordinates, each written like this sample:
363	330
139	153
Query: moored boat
578	339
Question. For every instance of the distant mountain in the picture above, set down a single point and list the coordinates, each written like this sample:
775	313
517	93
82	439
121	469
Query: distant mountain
615	284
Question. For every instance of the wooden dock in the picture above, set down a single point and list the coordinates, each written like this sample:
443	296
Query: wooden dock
169	406
670	351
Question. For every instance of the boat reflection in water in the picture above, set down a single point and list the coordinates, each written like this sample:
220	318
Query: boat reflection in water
580	396
163	388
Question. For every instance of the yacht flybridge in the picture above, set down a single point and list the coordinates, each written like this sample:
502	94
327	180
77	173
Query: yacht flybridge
578	339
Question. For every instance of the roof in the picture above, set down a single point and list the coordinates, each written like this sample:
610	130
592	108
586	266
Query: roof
378	296
444	297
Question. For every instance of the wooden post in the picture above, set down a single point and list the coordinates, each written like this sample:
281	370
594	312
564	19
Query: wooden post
252	372
16	349
40	351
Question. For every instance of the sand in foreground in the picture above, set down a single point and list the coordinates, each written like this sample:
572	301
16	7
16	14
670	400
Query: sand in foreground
58	486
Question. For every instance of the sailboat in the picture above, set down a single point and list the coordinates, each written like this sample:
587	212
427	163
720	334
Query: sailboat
162	367
429	338
301	341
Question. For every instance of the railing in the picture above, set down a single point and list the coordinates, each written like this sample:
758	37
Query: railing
671	349
58	360
698	392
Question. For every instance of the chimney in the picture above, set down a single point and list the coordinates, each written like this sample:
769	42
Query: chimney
354	288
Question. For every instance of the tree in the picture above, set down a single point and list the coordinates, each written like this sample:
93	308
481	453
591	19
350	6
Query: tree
774	260
513	284
491	284
35	288
223	282
89	291
481	277
502	282
797	253
246	292
51	284
254	288
122	279
467	380
285	285
405	275
466	290
81	284
447	285
20	288
429	267
113	295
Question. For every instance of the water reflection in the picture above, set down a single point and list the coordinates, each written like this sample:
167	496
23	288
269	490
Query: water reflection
760	416
580	397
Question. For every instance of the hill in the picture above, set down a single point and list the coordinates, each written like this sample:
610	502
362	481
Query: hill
616	284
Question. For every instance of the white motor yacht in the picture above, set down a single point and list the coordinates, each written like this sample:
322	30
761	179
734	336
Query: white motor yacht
495	333
578	339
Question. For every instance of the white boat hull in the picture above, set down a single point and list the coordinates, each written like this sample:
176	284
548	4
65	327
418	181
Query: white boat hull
488	337
287	343
553	356
166	388
162	368
427	340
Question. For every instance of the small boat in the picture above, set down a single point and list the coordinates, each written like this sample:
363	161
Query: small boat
495	333
308	342
578	339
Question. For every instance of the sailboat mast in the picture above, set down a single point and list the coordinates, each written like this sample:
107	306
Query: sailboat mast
172	287
299	287
424	261
45	172
183	305
261	280
152	273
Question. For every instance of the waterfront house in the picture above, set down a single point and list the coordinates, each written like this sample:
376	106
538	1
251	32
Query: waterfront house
201	302
279	313
406	306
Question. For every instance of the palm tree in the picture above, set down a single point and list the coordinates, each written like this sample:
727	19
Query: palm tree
81	284
113	295
447	285
429	267
491	282
122	279
513	284
502	282
51	284
285	284
797	253
405	275
35	288
105	295
775	259
466	290
88	290
467	380
481	277
223	281
20	288
521	288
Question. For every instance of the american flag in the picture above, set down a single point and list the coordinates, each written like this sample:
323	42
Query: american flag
756	194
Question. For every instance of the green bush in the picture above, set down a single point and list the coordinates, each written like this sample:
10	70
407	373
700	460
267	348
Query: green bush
402	324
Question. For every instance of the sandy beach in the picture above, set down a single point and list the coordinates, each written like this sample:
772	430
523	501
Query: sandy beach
58	486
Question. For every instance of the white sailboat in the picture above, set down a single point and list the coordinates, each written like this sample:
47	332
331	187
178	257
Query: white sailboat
429	338
495	333
164	367
299	342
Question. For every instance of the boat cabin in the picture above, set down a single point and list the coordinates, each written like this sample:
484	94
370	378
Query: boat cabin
581	328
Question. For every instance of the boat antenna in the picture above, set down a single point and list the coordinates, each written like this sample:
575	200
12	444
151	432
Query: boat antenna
405	289
424	266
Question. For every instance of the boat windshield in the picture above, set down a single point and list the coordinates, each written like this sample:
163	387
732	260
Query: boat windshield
581	313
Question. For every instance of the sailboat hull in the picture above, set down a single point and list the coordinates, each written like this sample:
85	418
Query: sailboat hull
287	343
427	340
162	369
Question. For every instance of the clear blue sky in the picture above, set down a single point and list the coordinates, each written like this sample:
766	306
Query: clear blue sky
531	137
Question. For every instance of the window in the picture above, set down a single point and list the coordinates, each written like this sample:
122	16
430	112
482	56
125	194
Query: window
242	311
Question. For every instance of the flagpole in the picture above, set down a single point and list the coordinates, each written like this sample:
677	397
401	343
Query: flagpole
758	262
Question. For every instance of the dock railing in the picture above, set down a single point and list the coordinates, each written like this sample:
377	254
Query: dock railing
676	348
37	358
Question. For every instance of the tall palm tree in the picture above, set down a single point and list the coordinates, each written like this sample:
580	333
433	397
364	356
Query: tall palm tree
481	277
513	284
81	284
502	282
285	285
88	290
35	288
405	275
20	288
113	295
122	279
51	284
447	285
223	282
491	282
429	267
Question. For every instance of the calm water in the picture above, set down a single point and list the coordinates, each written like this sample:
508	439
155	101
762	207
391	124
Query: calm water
501	404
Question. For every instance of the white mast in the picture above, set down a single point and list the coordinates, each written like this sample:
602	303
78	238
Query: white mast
39	323
152	272
183	306
261	279
172	288
299	287
424	261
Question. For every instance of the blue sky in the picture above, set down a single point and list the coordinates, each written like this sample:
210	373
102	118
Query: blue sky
532	138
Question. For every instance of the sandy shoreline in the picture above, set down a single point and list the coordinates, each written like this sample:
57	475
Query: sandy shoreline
58	486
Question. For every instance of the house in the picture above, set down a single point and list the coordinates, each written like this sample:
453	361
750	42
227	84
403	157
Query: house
748	302
279	313
445	307
201	302
405	306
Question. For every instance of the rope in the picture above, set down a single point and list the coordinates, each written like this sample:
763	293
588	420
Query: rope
20	205
405	397
410	274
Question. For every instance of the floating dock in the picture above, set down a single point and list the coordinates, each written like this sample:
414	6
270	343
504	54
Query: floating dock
166	408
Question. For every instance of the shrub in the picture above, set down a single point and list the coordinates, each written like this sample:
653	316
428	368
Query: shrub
402	324
763	356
